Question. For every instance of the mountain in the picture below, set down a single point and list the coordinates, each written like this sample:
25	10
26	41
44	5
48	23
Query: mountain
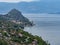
12	33
32	7
15	16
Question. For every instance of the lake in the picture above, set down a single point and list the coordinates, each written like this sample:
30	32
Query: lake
46	25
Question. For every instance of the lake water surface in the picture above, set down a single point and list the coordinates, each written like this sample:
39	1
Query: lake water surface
46	25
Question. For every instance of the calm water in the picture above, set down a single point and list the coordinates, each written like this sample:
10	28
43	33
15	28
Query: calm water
47	26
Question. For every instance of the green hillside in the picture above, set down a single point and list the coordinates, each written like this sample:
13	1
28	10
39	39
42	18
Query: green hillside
12	33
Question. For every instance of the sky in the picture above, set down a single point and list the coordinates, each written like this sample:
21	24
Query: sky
17	0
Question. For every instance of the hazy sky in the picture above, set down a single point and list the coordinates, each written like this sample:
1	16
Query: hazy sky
17	0
14	1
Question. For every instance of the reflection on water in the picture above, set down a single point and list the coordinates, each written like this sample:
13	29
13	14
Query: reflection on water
47	26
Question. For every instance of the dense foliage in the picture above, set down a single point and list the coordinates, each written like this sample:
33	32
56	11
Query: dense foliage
13	33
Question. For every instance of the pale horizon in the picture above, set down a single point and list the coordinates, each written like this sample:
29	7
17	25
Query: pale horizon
15	1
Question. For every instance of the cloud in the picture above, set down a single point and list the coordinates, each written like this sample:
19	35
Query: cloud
17	0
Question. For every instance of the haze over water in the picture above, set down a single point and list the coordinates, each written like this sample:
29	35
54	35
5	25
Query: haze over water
46	25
